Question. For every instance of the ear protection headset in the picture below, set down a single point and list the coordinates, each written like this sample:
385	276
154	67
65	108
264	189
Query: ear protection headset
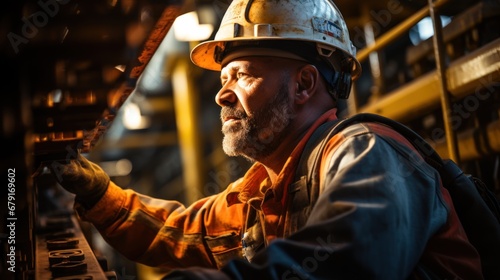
338	81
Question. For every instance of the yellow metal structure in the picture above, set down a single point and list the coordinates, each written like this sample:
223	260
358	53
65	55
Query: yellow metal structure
186	115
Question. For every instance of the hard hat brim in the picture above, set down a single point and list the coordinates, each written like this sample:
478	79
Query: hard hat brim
203	55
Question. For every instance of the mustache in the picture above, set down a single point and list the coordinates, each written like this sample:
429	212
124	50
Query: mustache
226	112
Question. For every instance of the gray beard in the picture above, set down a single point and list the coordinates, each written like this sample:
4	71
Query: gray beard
258	136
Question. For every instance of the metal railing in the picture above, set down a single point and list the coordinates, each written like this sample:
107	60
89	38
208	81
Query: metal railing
401	29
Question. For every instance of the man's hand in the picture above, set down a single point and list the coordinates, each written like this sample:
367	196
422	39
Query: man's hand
84	178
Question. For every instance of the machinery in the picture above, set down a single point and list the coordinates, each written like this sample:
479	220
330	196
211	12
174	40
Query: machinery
72	67
69	66
444	87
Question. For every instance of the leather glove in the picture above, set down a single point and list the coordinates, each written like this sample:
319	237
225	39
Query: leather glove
83	178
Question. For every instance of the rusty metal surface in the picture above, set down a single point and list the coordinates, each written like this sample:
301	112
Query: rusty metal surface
163	25
83	64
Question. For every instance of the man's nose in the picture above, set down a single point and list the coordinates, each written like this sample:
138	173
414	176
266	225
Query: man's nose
225	97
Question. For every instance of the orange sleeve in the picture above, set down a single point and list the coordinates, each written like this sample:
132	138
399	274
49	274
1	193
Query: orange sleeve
165	233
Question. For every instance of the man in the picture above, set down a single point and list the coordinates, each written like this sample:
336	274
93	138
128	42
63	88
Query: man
377	214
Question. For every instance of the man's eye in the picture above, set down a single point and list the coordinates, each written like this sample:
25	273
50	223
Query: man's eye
240	75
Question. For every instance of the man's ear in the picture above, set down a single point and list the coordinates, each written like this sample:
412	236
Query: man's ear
307	83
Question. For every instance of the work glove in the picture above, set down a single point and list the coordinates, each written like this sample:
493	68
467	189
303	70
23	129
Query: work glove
83	178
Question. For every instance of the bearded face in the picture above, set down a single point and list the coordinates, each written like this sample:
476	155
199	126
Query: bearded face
258	135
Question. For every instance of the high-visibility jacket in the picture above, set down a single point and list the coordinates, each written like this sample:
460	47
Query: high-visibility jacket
380	214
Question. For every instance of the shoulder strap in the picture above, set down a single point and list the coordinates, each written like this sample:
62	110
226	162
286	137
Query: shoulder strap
312	151
305	189
309	159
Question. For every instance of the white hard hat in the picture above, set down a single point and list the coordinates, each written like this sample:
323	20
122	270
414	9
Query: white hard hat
275	24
